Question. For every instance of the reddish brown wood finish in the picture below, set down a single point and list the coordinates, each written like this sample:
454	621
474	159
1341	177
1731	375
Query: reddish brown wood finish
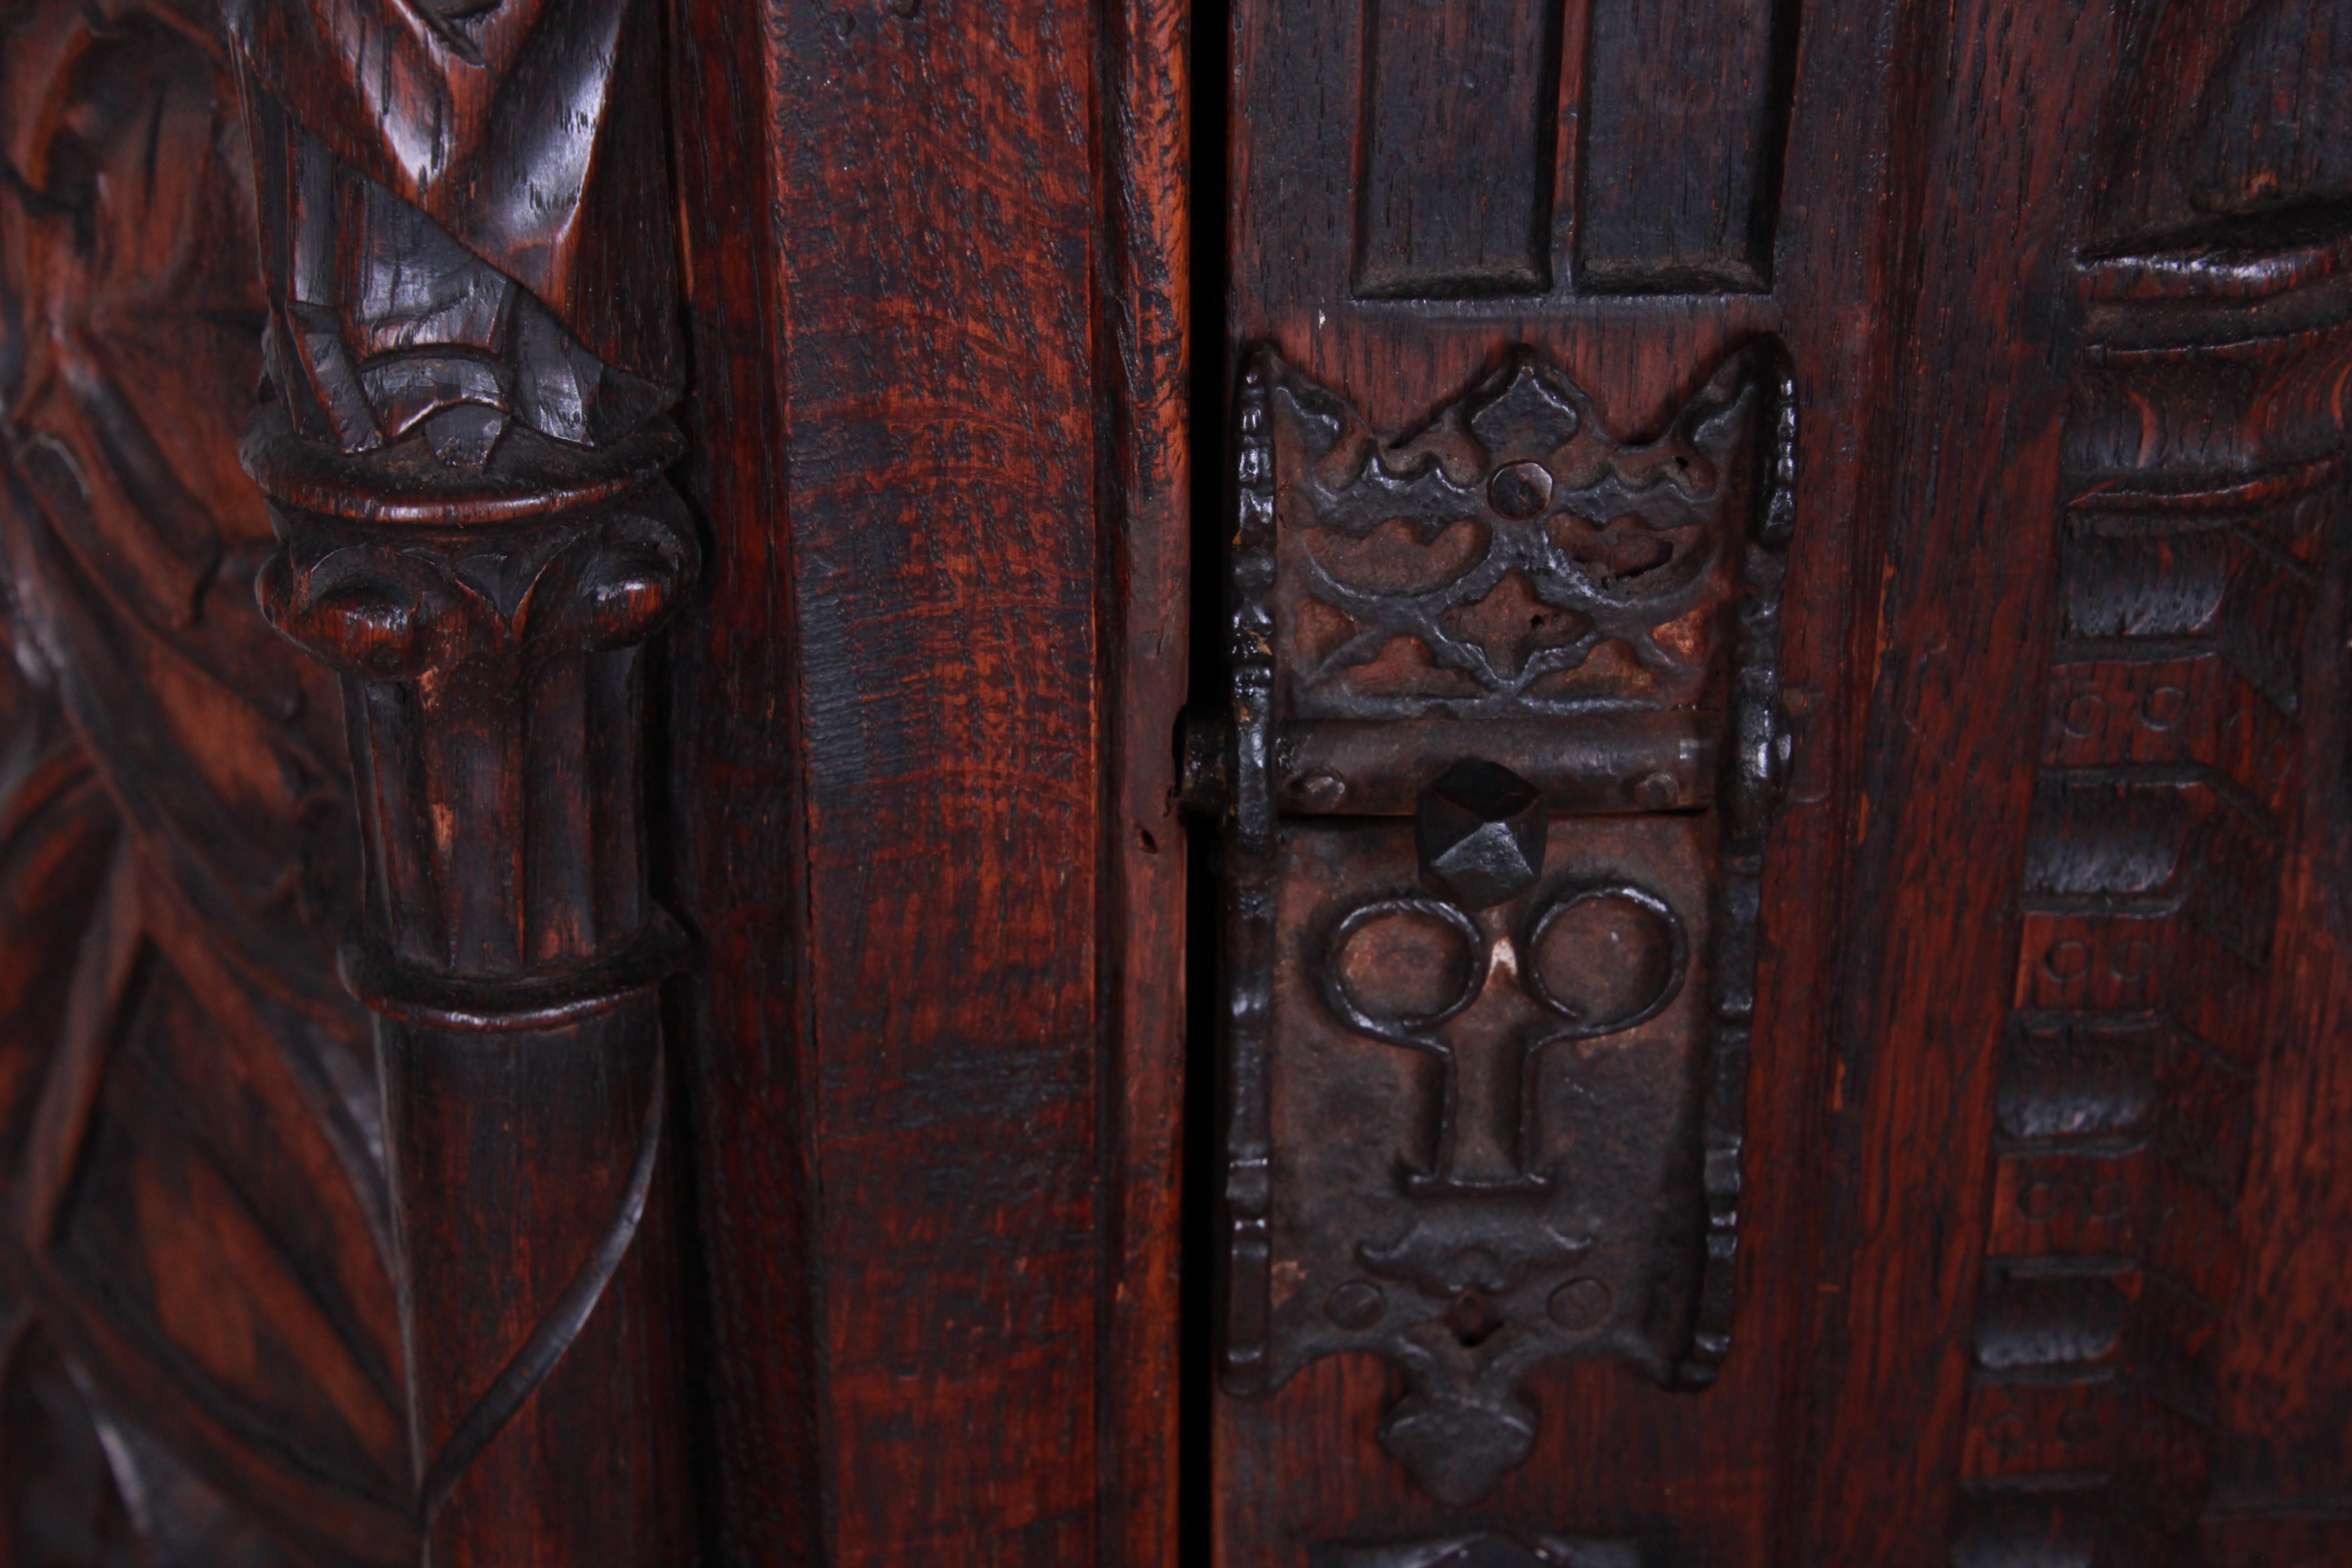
1944	786
942	473
926	786
1959	192
203	1351
1144	278
871	1311
1682	1473
739	833
463	239
2038	1263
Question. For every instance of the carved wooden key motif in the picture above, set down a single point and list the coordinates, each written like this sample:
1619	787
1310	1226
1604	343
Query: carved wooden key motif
1505	742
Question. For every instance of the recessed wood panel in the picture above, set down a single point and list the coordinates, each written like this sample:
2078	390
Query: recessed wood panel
1683	120
1454	192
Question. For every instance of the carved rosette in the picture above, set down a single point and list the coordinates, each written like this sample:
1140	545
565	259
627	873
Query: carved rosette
1504	748
470	352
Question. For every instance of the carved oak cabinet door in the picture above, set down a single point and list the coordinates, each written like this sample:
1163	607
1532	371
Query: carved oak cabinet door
1150	783
1776	778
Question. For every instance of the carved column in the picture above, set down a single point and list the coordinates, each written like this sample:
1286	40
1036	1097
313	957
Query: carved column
464	232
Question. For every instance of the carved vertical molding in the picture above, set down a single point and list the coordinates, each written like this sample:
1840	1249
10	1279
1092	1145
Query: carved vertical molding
466	241
2204	461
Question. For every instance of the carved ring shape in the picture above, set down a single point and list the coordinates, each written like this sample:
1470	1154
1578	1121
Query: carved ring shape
1403	1028
1410	1029
1417	1031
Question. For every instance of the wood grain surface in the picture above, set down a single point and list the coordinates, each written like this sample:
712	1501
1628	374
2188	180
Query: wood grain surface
1957	191
1675	1475
1959	620
771	461
927	786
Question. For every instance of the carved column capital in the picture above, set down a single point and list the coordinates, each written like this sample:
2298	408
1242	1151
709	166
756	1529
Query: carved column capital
581	564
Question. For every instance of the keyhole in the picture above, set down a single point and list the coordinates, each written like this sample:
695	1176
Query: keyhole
1473	1319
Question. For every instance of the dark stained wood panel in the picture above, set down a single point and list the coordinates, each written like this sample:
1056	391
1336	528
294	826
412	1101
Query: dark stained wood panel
2024	1245
427	1309
935	1056
1686	106
2046	1307
738	832
1459	116
938	406
2284	1388
2223	113
2313	1538
472	347
1301	1478
1143	343
1962	614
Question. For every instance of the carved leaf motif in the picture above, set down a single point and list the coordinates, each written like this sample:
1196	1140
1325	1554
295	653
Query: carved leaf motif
188	1128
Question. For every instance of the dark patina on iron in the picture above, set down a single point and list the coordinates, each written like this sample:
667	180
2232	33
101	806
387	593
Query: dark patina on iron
1503	745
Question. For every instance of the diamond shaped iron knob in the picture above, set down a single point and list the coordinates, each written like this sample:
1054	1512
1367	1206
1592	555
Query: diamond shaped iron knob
1480	830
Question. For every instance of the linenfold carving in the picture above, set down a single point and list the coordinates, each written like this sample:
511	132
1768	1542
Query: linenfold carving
1485	1073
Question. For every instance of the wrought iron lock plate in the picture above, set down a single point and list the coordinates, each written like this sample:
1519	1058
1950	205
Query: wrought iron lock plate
1504	742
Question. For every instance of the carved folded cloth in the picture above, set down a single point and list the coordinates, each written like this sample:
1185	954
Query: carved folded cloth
528	131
